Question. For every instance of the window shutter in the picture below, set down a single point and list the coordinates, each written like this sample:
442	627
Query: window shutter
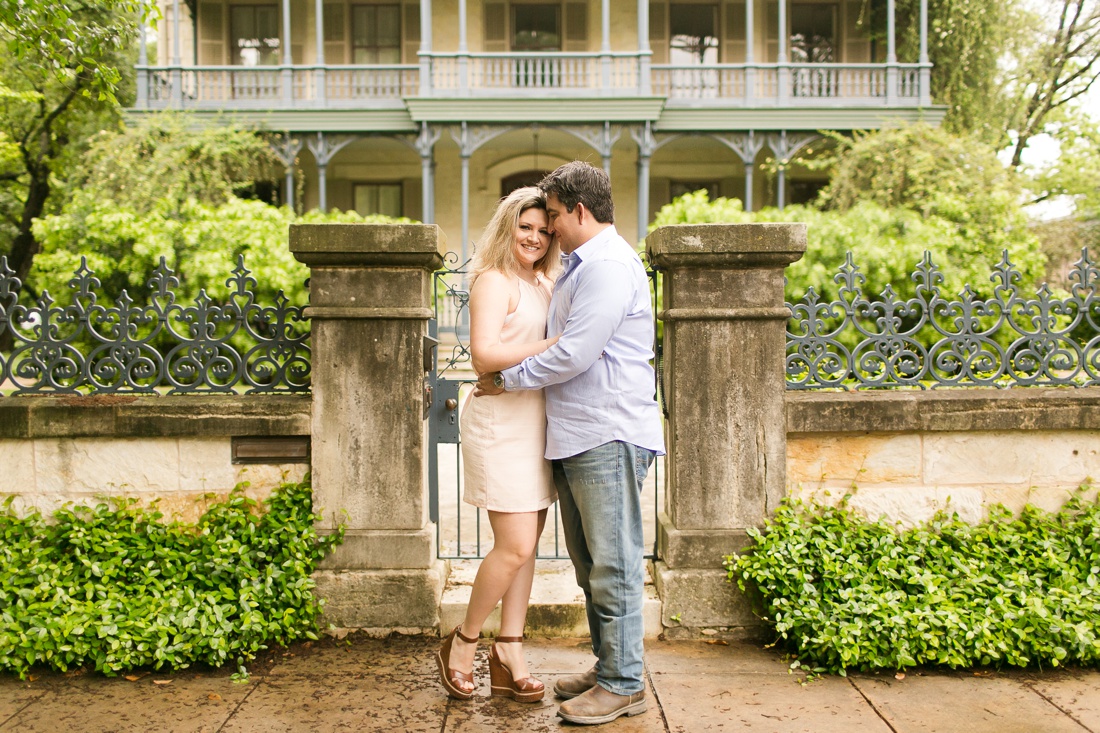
297	31
658	32
734	42
412	34
576	27
335	33
772	45
496	28
857	42
212	43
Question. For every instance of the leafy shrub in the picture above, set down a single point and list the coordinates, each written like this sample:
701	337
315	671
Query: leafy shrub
886	244
846	593
115	588
200	242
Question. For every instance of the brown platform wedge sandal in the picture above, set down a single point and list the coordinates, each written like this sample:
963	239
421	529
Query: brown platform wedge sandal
503	684
449	676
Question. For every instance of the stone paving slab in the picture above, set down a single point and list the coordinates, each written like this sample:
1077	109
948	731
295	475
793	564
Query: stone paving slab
188	703
390	685
1075	692
753	702
955	702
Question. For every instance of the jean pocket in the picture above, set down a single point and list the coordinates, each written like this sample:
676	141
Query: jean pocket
643	459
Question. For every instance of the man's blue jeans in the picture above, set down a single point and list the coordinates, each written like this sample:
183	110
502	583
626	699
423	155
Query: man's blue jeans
599	495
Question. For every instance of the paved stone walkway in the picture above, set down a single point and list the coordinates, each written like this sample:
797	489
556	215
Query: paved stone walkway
390	685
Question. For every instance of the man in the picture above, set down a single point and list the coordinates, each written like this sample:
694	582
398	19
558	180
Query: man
603	430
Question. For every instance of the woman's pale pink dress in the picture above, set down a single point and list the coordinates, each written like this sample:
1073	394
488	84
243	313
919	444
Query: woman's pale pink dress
504	436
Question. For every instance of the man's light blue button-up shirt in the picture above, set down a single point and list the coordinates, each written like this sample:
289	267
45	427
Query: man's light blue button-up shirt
597	377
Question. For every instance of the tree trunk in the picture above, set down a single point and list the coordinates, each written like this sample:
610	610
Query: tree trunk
25	246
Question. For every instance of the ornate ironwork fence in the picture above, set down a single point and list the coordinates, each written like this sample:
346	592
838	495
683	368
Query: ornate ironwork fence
163	346
933	340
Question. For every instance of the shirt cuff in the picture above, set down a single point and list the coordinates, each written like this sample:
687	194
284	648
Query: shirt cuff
511	378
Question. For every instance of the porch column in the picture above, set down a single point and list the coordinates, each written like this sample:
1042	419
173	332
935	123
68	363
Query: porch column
143	61
287	150
891	56
425	48
319	72
464	156
781	171
370	286
784	72
646	145
177	60
750	54
425	145
287	73
925	64
605	47
644	82
324	148
724	358
463	66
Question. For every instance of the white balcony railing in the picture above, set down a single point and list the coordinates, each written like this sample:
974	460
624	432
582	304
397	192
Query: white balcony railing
448	75
789	84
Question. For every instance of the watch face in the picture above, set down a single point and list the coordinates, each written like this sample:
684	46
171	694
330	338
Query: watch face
498	380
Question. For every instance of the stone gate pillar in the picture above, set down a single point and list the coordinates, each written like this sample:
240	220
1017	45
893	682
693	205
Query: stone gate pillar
370	302
724	353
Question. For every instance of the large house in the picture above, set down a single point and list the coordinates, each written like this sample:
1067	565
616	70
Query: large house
434	109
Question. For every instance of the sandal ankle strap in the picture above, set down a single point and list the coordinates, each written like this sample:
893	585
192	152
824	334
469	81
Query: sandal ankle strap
467	639
509	639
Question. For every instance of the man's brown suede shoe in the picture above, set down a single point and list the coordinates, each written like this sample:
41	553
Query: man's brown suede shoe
575	684
601	706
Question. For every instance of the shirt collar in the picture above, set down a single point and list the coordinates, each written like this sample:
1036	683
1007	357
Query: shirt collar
589	248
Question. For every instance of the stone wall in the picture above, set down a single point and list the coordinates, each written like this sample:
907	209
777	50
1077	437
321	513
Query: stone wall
905	455
177	450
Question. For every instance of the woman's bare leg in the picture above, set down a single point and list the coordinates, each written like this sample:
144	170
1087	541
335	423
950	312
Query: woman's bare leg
515	539
513	610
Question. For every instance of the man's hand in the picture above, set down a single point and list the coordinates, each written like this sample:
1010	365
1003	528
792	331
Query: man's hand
486	385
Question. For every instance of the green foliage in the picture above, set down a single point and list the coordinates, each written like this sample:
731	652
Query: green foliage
200	241
166	160
73	40
886	244
934	172
846	593
114	588
966	41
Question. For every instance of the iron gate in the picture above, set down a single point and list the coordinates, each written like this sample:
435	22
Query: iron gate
463	531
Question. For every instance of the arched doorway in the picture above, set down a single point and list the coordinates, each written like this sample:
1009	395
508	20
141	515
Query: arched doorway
519	180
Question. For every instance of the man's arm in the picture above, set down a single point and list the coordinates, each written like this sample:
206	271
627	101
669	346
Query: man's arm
603	296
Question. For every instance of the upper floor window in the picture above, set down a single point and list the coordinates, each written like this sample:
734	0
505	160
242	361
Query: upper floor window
255	34
376	34
813	33
544	27
536	27
693	34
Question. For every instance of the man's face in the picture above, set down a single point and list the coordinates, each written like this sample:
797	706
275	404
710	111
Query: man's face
565	224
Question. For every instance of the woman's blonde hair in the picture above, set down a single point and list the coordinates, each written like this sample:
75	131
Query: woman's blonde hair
496	248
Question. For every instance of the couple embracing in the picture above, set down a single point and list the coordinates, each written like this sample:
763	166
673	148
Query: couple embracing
563	409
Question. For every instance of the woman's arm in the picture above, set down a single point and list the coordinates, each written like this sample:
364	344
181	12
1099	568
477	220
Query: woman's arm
490	301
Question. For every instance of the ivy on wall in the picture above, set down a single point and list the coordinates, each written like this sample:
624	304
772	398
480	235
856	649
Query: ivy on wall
112	587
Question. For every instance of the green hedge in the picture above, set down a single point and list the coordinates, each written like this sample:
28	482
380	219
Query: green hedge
115	588
844	593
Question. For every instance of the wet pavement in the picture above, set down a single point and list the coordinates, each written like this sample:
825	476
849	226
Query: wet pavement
389	685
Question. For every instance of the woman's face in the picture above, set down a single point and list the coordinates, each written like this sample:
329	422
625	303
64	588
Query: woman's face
532	238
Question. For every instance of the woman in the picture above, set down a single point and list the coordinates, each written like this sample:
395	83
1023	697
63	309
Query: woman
503	442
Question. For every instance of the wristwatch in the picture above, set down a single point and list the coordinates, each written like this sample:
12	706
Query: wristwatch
498	381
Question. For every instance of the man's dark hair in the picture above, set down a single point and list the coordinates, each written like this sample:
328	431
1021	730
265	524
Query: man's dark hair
580	183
